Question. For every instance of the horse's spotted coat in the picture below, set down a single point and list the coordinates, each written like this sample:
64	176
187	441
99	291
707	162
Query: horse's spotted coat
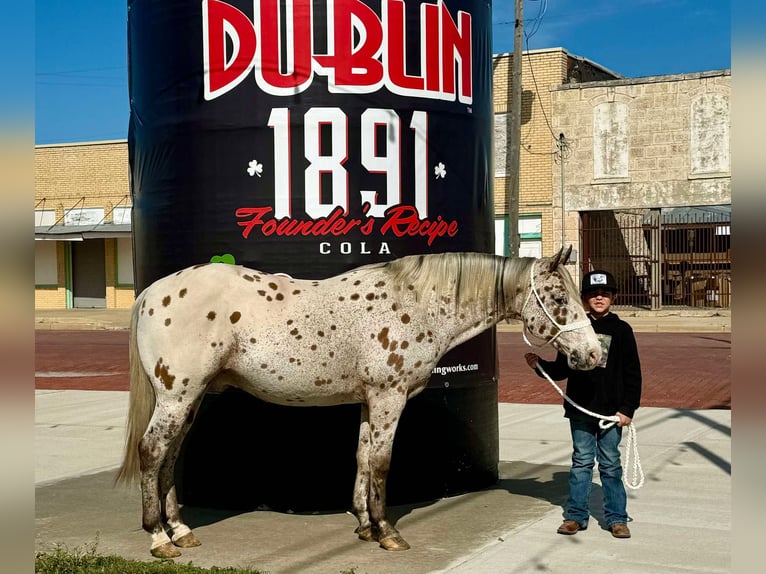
370	336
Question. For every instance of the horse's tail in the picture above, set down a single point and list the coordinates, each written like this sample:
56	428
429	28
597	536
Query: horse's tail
141	405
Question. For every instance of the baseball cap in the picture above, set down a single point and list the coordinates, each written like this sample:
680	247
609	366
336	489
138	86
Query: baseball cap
598	280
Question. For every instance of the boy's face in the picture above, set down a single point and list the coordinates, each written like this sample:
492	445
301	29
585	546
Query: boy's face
598	301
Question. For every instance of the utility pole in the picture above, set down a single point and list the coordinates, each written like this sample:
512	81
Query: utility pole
515	133
562	145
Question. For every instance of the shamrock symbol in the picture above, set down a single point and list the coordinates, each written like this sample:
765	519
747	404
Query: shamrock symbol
227	258
439	171
255	168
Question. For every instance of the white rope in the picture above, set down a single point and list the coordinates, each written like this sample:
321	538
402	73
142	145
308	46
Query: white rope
632	477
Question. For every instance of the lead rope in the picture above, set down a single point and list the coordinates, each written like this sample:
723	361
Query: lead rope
633	475
633	478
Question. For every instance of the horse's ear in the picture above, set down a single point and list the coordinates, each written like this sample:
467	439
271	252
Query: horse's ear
560	258
565	258
555	262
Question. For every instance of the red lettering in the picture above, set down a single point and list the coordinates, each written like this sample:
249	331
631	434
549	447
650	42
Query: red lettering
365	51
456	50
402	220
433	52
333	224
354	65
256	212
297	44
220	20
397	41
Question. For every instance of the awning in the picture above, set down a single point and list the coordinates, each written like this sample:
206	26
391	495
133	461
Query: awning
694	214
82	232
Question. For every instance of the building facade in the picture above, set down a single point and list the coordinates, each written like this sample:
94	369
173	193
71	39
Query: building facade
539	142
646	184
83	253
597	152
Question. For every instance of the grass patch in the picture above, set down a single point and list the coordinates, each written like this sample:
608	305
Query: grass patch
87	560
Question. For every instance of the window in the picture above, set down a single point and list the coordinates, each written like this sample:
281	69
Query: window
124	261
46	270
501	237
530	236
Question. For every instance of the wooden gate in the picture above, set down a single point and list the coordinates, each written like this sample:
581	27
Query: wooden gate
660	258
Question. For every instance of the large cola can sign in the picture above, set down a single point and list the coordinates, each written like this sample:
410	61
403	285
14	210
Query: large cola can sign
308	137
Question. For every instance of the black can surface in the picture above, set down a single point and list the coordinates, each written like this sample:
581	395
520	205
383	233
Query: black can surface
309	138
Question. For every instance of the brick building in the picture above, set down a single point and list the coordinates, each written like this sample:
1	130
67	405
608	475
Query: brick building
632	149
83	254
540	71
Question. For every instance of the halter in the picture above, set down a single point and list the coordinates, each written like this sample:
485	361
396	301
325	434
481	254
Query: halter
562	328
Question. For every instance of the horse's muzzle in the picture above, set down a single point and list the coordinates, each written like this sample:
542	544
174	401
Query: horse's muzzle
584	361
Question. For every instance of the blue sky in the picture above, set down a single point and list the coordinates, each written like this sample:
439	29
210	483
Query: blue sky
81	87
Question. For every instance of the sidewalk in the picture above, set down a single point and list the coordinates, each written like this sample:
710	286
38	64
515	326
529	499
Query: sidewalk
682	515
677	320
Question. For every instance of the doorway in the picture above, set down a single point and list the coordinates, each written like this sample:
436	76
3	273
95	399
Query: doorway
89	274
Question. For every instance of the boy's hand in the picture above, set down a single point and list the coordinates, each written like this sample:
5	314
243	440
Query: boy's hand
624	421
531	360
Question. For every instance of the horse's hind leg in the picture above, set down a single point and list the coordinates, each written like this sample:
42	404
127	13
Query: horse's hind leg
362	483
182	536
163	429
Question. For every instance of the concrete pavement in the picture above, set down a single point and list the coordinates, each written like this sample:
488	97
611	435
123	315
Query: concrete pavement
682	515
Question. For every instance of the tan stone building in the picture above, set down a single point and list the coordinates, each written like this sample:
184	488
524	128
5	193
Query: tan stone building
612	151
83	253
646	184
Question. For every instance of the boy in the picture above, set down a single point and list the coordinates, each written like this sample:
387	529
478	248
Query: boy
612	388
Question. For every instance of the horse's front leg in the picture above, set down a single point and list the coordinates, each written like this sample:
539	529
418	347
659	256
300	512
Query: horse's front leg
384	418
362	482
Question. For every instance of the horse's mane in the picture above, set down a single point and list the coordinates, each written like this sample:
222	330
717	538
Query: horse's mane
458	277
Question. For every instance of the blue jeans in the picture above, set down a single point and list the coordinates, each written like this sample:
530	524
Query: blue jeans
591	444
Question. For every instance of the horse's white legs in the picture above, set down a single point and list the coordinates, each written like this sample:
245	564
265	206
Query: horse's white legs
384	418
163	429
182	537
362	482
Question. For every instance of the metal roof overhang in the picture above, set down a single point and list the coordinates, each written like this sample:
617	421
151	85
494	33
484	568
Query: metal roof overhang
82	232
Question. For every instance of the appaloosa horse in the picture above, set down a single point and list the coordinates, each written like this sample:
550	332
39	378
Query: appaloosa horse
372	336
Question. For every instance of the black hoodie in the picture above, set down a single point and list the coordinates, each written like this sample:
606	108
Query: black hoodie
614	385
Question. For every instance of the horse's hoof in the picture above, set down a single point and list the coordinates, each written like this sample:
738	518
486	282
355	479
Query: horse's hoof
394	542
365	534
187	541
167	550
